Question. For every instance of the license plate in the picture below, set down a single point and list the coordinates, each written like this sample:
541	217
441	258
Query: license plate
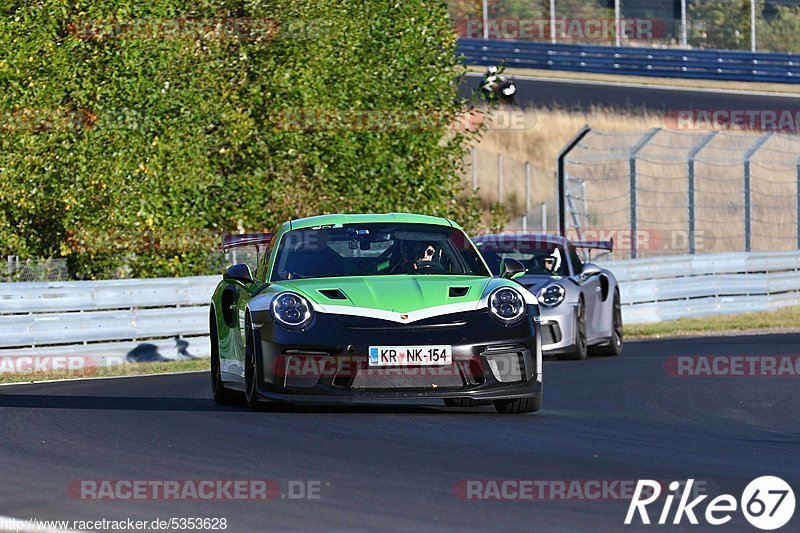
410	355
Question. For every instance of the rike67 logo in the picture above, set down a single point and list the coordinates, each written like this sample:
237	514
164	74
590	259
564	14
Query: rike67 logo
767	503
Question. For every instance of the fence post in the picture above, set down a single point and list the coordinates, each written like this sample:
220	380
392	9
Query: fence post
485	18
499	178
527	187
544	217
797	194
562	156
691	189
748	208
632	178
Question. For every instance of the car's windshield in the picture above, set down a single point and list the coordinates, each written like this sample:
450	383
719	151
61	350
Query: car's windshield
539	258
375	249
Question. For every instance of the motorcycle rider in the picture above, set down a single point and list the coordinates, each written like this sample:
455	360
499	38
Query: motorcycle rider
494	83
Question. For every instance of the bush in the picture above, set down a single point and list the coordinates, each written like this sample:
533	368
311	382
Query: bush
135	131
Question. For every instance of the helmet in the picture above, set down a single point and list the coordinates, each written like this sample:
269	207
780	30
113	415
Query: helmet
491	71
556	256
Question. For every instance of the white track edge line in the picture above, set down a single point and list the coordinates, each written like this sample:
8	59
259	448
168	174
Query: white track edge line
650	86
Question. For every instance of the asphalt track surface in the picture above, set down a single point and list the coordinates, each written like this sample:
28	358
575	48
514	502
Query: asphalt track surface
574	95
394	467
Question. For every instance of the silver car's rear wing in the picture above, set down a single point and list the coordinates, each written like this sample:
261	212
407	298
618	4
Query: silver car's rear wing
596	245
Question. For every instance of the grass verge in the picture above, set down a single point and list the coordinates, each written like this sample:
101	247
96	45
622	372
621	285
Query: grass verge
787	319
128	369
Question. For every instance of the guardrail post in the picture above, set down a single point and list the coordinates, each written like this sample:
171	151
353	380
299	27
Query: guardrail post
797	194
499	178
562	155
748	208
632	177
691	189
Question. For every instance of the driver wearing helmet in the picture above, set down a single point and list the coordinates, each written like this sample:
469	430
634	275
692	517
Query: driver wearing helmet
428	253
552	262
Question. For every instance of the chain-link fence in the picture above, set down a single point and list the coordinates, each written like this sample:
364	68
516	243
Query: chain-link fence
525	190
664	192
16	269
758	25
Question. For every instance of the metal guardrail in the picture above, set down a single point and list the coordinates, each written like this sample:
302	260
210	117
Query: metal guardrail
106	322
675	63
667	288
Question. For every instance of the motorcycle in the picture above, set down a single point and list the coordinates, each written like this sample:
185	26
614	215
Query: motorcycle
498	89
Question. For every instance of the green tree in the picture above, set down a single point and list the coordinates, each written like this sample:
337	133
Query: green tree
723	24
135	132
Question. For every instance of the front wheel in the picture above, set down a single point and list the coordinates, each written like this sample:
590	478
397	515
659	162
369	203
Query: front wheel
221	394
614	347
580	349
519	406
250	369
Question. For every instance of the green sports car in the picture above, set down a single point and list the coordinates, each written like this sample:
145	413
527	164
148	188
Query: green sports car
345	308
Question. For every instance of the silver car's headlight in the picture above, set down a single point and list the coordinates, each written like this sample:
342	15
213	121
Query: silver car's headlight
507	304
552	295
291	310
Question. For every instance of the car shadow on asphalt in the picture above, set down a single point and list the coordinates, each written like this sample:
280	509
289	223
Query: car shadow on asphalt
139	403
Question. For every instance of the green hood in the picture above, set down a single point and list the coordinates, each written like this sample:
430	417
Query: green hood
397	293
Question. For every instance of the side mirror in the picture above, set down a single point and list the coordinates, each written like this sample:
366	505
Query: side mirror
240	273
589	270
511	268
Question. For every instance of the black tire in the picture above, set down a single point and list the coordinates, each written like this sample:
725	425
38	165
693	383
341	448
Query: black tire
519	406
250	369
221	394
614	347
461	402
581	349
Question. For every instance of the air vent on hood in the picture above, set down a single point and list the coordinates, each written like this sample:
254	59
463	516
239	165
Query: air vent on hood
458	292
333	294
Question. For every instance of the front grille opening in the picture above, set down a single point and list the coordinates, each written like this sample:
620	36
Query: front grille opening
423	378
506	367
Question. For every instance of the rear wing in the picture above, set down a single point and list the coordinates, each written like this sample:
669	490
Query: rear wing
240	240
596	245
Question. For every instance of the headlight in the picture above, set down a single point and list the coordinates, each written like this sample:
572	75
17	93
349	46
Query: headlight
507	304
291	310
552	295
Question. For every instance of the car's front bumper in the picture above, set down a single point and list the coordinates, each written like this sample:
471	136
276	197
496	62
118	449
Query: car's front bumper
328	361
558	328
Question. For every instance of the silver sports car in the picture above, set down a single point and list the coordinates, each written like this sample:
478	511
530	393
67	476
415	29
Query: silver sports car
580	306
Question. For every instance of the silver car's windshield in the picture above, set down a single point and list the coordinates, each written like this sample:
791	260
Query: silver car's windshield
543	259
